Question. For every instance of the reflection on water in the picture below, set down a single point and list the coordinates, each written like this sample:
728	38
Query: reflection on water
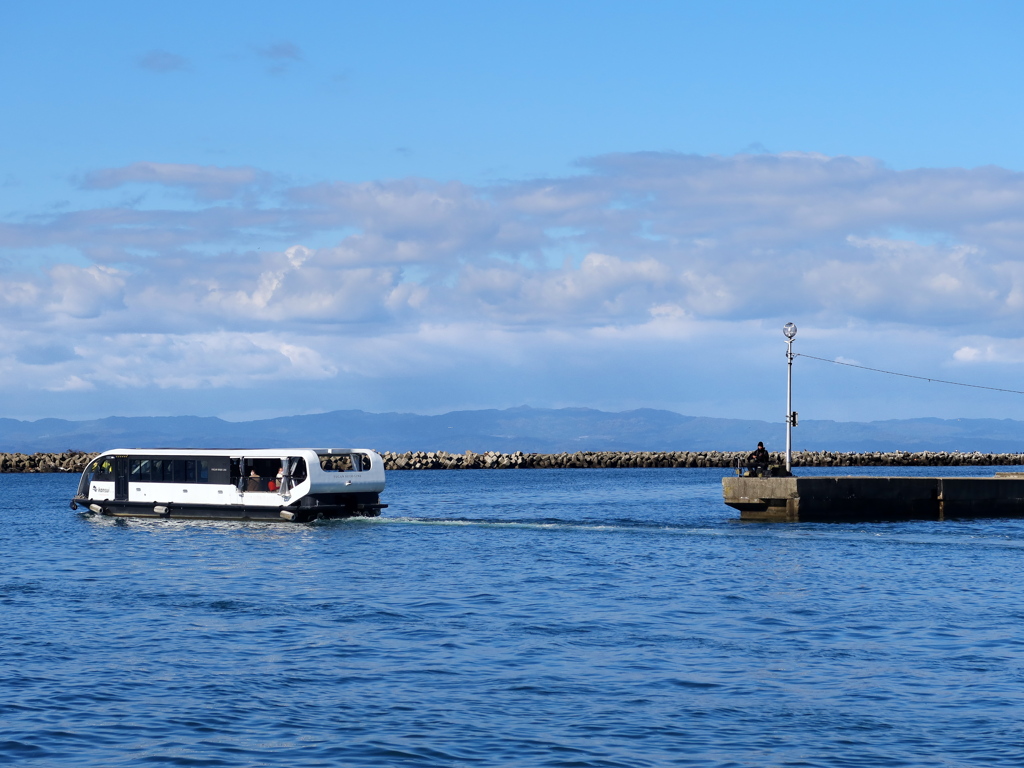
495	618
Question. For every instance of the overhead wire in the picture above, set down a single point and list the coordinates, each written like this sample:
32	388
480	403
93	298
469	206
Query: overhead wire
909	375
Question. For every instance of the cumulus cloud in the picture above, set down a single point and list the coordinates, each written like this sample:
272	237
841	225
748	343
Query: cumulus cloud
991	350
84	292
642	250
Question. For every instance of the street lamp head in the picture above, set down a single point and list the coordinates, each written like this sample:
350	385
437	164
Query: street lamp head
789	329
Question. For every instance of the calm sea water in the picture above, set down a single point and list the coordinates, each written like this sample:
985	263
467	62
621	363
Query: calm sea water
509	618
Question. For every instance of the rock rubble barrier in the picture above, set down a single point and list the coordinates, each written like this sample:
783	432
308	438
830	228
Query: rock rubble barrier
68	461
76	461
720	459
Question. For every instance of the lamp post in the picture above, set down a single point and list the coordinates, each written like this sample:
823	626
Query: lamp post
789	330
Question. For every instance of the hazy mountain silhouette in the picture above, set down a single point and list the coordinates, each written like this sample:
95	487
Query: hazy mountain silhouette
537	430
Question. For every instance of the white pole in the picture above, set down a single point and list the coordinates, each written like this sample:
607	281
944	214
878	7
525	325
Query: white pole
789	331
789	407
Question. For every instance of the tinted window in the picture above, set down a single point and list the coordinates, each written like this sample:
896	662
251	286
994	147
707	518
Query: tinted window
102	469
177	470
219	470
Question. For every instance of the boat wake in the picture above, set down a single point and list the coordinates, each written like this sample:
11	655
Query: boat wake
546	524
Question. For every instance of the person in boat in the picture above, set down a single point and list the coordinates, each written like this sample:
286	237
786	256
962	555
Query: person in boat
275	484
758	460
254	481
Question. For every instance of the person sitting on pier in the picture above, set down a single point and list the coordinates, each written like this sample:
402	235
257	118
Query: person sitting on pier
758	460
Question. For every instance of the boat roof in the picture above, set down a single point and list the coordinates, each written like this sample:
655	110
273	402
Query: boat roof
247	452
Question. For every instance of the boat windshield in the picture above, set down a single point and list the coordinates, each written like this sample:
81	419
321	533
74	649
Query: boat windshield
100	469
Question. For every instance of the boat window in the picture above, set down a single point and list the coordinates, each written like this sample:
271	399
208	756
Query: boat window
212	469
97	470
261	475
83	485
298	468
344	462
179	470
104	470
169	470
100	470
216	470
337	462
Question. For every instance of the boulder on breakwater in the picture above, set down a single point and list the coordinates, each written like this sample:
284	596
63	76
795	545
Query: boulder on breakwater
76	461
722	459
68	461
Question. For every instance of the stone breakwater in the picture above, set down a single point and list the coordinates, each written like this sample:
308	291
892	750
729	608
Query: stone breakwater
612	459
69	461
74	461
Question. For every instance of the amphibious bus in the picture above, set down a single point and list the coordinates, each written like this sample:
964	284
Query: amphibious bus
287	484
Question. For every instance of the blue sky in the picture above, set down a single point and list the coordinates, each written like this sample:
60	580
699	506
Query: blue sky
250	209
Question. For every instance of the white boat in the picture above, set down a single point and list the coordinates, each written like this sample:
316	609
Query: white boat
292	484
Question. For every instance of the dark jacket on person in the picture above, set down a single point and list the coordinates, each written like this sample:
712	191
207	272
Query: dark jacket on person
760	456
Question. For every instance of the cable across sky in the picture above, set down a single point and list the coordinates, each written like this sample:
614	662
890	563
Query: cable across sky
909	375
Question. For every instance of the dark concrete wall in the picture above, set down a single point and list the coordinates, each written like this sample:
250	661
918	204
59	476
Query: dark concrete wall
837	499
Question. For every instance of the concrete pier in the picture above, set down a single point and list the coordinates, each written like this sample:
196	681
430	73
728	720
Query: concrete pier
850	499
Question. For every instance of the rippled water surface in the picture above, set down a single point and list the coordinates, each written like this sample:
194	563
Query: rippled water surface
509	618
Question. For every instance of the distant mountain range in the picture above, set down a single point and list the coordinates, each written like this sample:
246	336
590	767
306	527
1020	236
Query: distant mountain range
532	430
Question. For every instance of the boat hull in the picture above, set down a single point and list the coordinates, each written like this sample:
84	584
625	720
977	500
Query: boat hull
236	512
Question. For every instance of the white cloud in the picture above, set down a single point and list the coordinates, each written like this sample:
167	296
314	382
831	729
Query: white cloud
72	384
207	182
19	296
641	251
991	350
84	292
